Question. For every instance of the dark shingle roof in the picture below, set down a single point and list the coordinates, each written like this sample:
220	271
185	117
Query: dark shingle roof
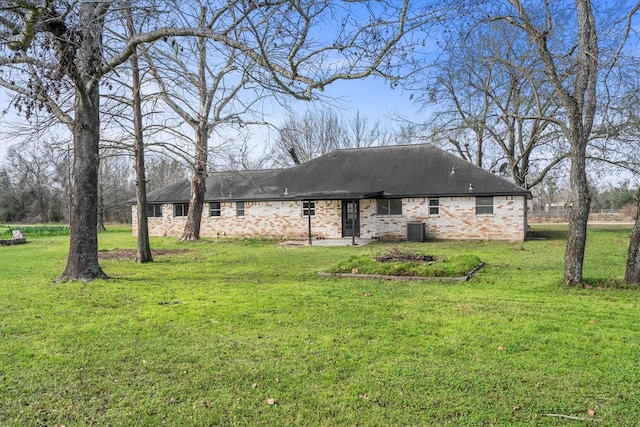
392	171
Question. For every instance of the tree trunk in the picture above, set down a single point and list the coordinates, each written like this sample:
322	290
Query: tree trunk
578	218
143	253
632	275
82	262
199	173
198	178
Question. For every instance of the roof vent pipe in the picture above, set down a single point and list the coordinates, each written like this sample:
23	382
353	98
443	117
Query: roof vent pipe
294	156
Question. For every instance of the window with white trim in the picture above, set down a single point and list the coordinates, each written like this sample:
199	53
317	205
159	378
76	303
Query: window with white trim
180	209
214	209
389	206
239	208
434	206
484	205
308	208
154	211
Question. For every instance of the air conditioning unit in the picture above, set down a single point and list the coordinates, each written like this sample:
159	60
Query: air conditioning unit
415	232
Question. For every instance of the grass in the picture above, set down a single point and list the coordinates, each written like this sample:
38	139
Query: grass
453	266
35	230
208	335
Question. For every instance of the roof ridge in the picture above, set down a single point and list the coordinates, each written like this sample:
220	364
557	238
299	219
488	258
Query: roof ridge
374	147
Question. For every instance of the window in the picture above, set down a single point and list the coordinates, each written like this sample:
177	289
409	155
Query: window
484	205
214	209
154	211
389	206
434	206
180	209
308	208
239	208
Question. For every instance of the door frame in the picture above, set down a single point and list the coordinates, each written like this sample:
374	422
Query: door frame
355	226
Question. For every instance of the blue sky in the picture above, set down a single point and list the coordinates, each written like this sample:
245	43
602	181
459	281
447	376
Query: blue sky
373	97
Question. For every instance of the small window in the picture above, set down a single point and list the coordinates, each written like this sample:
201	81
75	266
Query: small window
180	209
484	205
214	209
154	211
389	206
239	208
434	206
309	208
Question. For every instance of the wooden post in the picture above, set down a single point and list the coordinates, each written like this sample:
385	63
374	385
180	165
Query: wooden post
309	218
353	223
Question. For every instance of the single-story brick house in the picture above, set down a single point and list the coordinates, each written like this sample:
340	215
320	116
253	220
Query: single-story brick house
391	192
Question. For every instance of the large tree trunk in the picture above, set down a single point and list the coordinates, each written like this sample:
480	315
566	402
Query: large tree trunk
198	186
82	263
632	275
578	217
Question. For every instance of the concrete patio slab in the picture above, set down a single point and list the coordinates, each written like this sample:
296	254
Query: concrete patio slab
347	241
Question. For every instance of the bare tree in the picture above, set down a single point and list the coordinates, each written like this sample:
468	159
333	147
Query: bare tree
571	59
302	138
116	178
206	93
143	247
33	192
52	50
497	101
163	171
362	133
320	131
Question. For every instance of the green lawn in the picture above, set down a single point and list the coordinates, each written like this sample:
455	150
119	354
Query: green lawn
207	336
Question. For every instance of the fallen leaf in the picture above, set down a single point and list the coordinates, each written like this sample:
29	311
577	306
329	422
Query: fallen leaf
591	413
501	348
368	294
254	385
271	401
364	396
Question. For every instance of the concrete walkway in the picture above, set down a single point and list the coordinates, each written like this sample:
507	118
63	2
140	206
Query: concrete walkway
347	241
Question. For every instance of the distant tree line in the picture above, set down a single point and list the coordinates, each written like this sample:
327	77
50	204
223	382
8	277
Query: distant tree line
35	180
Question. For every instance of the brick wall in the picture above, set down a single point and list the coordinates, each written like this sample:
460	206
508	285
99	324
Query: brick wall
261	219
456	220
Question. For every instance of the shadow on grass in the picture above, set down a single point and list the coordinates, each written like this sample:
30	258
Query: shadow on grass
608	283
559	231
548	234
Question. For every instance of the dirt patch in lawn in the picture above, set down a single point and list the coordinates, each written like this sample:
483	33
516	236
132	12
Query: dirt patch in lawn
404	257
119	254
